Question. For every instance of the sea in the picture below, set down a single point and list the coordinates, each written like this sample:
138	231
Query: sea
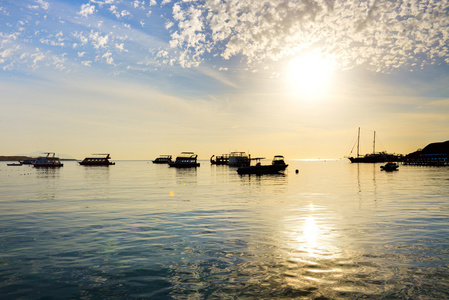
326	229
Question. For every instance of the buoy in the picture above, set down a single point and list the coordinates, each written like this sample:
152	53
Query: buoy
297	171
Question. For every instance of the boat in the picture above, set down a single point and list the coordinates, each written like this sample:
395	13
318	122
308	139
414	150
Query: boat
15	164
163	159
48	161
390	166
278	165
238	159
373	157
185	160
97	160
220	159
28	161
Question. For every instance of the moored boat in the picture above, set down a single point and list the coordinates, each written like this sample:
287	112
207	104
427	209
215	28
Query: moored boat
373	157
14	164
48	161
163	159
185	160
220	159
97	160
238	159
28	161
390	166
278	165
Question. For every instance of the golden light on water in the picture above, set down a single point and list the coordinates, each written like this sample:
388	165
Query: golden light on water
311	233
310	236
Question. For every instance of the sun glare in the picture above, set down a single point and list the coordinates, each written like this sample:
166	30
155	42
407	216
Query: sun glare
309	75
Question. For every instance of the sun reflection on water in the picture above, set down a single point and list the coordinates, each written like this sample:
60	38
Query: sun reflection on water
311	233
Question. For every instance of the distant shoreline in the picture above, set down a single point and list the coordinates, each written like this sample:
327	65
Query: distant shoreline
20	158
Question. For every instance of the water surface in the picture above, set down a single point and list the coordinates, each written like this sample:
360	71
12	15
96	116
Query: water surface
139	230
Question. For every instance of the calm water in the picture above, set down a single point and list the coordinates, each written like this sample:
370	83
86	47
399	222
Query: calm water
138	230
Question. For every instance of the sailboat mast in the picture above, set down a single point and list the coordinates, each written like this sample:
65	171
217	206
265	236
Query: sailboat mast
374	143
358	143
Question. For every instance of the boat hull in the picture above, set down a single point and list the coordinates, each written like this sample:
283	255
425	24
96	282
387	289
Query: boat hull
375	158
183	165
57	165
97	164
389	167
260	170
161	161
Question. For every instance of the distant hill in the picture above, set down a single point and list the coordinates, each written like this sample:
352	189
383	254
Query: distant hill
20	158
432	148
13	158
436	148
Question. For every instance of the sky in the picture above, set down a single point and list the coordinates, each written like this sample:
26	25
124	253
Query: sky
137	79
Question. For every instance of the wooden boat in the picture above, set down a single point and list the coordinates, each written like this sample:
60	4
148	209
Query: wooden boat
185	160
390	166
278	165
220	159
373	157
97	160
163	159
49	161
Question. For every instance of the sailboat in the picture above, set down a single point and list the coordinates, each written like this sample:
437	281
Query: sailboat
373	157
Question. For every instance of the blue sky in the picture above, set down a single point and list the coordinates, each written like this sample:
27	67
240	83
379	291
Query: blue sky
142	78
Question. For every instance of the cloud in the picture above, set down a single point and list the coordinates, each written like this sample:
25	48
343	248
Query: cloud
86	10
380	35
44	4
355	32
98	41
108	58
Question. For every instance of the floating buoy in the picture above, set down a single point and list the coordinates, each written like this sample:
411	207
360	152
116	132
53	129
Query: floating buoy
297	171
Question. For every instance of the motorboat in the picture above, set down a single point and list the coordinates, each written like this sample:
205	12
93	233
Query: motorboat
48	161
278	165
185	160
238	159
97	160
163	159
390	166
15	164
220	159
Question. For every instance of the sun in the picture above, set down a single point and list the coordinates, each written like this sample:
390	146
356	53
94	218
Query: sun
309	75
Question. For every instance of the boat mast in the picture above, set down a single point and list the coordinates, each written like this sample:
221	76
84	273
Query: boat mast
358	143
374	143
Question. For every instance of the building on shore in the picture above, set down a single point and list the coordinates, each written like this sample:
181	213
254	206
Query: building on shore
434	154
